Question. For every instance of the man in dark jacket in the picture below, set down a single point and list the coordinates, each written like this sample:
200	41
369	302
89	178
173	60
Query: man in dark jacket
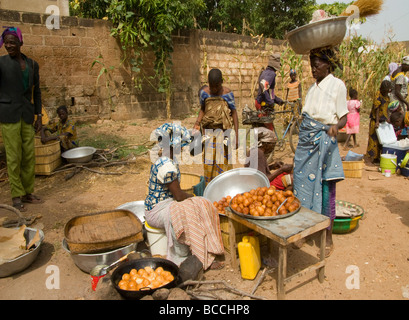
20	101
266	97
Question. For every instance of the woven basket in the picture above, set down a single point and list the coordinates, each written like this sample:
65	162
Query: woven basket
353	169
102	231
48	156
187	182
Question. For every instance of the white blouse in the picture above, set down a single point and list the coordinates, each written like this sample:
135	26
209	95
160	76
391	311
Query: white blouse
327	101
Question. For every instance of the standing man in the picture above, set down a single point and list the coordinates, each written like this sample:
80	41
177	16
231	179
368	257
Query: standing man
266	97
20	100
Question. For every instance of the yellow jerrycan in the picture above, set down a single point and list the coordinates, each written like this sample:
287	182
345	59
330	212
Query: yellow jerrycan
249	255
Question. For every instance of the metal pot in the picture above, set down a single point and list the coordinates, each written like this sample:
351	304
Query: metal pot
154	263
233	182
86	261
79	155
136	207
323	33
24	261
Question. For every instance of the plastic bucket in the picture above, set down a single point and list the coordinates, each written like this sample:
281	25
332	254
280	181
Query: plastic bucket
158	242
388	161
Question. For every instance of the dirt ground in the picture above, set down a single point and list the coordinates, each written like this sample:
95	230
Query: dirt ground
376	254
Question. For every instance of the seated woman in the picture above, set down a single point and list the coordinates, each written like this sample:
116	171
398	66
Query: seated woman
191	223
63	131
281	178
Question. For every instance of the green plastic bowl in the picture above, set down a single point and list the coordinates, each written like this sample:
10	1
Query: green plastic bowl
345	225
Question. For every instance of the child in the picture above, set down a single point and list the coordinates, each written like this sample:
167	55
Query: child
63	131
353	117
397	107
400	122
294	94
218	112
379	114
294	90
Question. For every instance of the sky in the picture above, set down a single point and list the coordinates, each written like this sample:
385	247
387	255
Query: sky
394	16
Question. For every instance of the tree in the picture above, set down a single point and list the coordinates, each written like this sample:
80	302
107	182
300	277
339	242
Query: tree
273	18
225	15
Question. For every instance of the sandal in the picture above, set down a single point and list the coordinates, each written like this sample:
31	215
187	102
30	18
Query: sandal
17	204
216	265
31	198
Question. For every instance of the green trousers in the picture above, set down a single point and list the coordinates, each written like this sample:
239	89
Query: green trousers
20	156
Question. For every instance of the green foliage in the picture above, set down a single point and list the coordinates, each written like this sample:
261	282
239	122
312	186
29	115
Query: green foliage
148	24
333	9
272	18
89	9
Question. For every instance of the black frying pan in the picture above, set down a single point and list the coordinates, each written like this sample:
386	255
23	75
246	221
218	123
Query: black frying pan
154	263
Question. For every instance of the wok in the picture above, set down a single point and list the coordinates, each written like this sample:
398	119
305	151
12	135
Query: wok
154	263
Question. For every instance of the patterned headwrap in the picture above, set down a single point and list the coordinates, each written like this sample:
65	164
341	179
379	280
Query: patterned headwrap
327	54
172	134
15	31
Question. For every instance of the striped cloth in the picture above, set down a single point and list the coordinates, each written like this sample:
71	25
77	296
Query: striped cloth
196	223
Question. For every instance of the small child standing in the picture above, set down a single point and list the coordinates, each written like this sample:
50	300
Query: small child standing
353	117
294	91
63	131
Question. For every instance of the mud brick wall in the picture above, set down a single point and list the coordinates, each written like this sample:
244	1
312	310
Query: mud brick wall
65	57
106	90
240	58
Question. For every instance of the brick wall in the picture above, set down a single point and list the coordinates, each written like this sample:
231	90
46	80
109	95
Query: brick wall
65	56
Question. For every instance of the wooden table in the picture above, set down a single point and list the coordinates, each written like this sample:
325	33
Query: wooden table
284	232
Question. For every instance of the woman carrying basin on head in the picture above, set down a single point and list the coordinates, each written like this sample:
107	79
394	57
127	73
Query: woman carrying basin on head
317	162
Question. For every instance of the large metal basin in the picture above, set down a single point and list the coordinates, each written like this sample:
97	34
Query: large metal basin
79	155
323	33
233	182
136	207
88	261
24	261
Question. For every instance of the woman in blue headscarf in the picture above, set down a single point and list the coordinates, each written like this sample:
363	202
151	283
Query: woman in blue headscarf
191	223
317	162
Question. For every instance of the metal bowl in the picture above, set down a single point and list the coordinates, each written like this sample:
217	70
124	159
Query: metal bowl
323	33
136	207
233	182
24	261
88	261
79	155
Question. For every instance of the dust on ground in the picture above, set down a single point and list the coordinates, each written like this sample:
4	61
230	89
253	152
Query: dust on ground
369	263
